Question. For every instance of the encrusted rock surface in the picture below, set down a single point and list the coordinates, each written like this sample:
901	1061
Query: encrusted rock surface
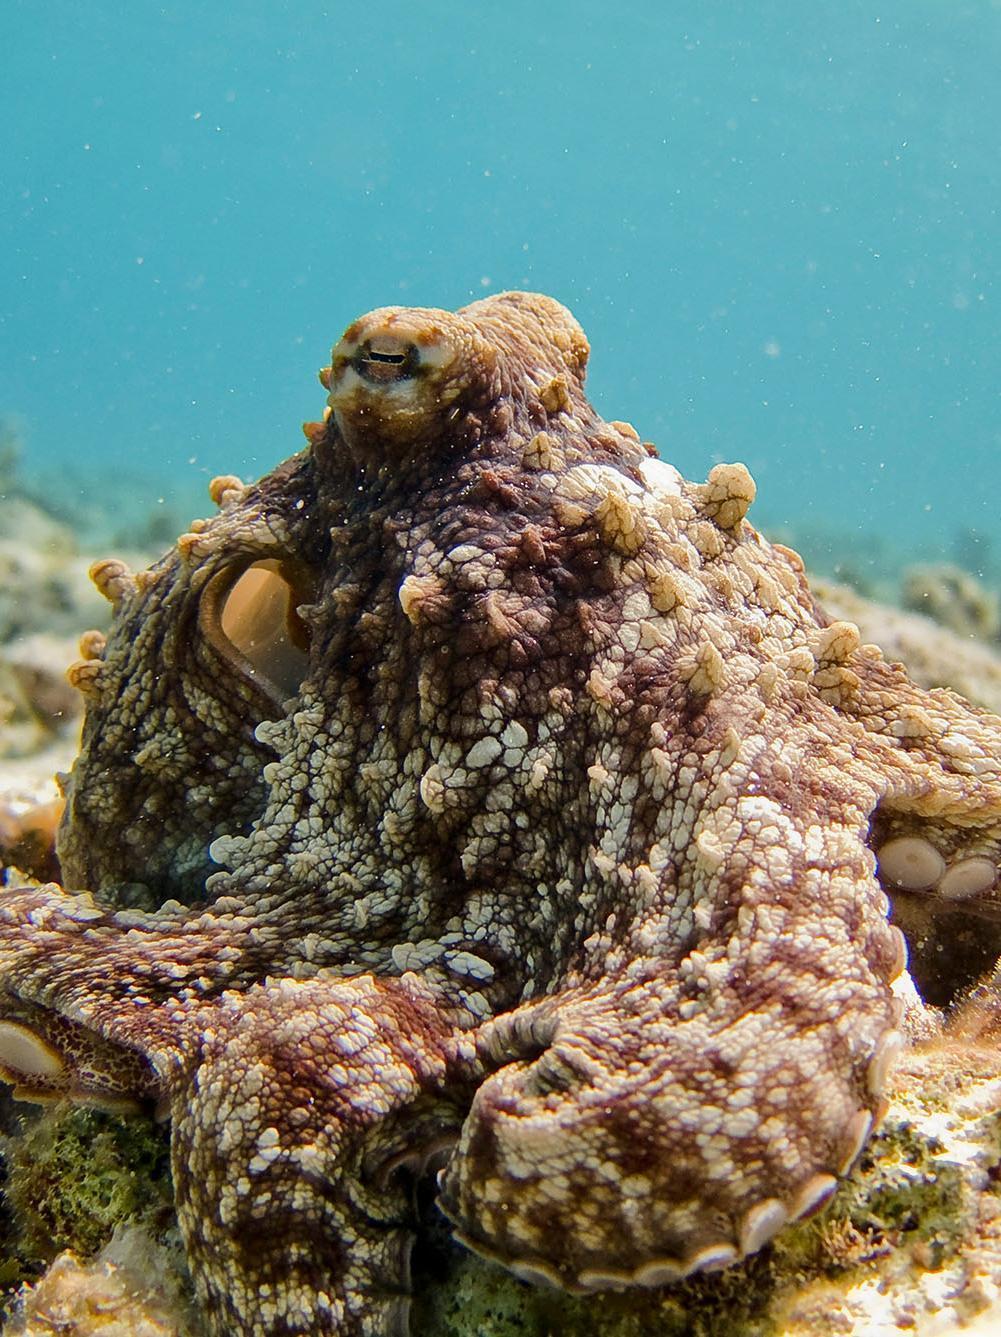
131	1288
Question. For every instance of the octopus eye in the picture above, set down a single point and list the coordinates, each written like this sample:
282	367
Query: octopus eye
386	360
253	621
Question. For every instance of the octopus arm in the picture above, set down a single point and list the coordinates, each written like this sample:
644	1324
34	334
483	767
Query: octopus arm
680	1112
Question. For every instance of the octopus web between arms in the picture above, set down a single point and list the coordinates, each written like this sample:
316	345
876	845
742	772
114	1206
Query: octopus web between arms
474	791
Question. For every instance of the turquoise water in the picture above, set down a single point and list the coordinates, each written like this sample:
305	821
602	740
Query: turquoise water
777	221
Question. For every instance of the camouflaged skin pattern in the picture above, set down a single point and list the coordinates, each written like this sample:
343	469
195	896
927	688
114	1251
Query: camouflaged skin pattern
475	787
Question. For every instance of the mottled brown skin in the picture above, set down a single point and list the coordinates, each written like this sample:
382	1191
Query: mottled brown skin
528	804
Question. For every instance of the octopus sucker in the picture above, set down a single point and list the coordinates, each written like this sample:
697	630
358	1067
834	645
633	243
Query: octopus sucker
968	878
812	1197
761	1223
713	1258
911	863
858	1135
25	1054
475	801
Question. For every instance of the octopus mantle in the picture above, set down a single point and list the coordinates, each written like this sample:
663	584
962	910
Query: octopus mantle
474	791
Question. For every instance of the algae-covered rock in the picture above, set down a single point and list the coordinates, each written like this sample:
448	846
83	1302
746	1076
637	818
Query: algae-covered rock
73	1174
43	577
953	597
73	1177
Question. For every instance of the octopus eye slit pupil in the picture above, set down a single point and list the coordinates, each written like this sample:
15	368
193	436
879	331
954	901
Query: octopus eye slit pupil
383	366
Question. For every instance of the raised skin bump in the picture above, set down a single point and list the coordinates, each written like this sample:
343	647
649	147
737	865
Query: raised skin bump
227	489
113	579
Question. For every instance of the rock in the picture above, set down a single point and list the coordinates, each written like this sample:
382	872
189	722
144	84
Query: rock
131	1289
31	805
37	704
953	597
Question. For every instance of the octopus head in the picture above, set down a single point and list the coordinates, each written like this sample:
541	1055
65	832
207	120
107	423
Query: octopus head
409	383
402	378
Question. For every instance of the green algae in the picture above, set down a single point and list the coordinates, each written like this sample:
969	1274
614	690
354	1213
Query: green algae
72	1175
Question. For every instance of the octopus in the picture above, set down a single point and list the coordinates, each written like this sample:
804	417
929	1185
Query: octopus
474	797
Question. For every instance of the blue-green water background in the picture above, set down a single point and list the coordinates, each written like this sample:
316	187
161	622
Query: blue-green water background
777	221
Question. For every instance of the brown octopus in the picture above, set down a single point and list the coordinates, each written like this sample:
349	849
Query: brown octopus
473	788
